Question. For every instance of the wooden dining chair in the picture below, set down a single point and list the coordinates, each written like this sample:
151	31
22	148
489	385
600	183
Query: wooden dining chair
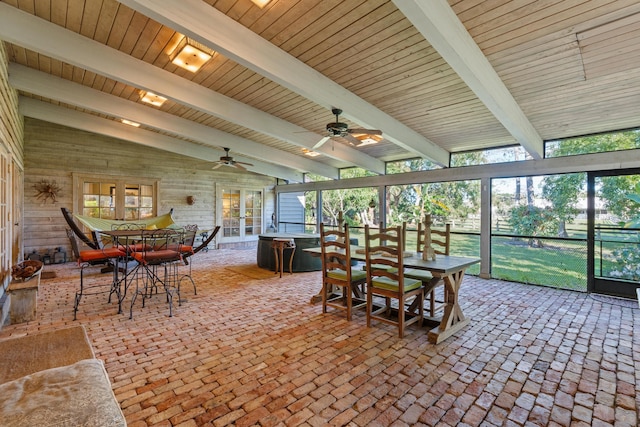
342	284
440	242
384	255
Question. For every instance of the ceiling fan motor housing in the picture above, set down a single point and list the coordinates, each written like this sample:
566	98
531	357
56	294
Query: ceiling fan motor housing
337	128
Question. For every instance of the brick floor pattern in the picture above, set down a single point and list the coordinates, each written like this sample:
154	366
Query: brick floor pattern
249	352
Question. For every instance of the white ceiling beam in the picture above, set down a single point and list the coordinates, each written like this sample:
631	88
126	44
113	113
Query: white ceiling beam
439	24
30	107
42	84
41	36
207	25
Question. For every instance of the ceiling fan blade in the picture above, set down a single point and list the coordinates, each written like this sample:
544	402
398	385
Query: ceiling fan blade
365	131
244	163
218	165
237	165
321	142
352	140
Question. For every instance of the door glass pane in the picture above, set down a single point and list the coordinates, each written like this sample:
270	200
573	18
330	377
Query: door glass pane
231	213
253	213
617	228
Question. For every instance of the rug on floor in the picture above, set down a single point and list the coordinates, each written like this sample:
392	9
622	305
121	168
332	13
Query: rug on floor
252	271
25	355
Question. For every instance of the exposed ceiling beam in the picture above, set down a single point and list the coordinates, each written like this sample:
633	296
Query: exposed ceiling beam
64	116
48	86
41	36
207	25
439	24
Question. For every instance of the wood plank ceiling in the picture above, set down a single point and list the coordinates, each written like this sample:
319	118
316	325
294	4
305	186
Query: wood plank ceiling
456	76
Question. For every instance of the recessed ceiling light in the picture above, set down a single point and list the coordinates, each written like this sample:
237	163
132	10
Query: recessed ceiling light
261	3
367	139
310	153
190	55
152	98
130	123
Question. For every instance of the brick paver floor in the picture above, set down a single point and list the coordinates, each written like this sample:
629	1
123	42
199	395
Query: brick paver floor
247	352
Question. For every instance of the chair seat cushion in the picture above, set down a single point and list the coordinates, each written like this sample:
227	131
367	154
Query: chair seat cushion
157	257
135	247
381	267
99	254
392	285
184	249
342	274
414	273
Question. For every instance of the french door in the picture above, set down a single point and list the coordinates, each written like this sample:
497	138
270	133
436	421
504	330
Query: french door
240	213
613	232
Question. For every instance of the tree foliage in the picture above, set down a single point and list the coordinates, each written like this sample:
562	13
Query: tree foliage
533	221
564	191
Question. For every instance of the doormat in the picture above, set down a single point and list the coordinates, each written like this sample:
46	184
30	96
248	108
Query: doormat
48	275
33	353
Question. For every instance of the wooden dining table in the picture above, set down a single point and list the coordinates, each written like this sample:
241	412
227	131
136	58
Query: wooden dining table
450	269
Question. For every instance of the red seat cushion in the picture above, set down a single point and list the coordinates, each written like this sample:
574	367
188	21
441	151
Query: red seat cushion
186	249
136	247
156	257
93	255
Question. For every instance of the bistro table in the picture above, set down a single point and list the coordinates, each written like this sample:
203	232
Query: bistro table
448	267
124	265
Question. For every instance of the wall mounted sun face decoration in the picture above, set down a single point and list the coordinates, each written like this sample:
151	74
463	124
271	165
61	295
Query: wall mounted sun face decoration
46	190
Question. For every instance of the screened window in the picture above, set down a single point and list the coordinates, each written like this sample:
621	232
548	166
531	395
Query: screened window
116	198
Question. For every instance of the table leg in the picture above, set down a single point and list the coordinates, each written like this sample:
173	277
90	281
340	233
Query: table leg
293	251
278	258
453	319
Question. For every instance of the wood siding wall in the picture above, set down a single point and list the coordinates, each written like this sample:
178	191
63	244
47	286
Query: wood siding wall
292	211
11	140
55	153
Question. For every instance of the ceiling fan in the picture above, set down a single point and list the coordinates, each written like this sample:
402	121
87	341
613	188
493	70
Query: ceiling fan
338	129
227	160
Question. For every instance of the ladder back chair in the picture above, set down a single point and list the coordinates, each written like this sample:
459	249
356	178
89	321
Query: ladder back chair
384	254
440	242
342	285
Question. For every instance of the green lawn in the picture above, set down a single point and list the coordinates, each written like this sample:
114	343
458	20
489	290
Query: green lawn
559	263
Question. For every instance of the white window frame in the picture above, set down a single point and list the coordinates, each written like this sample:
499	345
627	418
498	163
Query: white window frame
120	182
